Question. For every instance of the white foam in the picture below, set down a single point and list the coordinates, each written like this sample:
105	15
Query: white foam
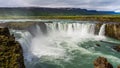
60	38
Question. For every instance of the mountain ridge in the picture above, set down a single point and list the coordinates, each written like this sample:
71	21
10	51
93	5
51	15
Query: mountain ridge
41	11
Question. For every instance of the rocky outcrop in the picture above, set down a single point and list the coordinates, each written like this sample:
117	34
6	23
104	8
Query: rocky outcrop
98	45
11	54
102	62
117	48
113	30
118	66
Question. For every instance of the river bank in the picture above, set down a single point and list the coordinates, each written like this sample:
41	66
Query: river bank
101	18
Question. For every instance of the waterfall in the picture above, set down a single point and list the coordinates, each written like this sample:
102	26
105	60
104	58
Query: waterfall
38	30
61	38
70	28
102	30
64	45
32	45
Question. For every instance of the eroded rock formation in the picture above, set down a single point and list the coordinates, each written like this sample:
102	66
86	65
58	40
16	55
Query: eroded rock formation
113	30
11	54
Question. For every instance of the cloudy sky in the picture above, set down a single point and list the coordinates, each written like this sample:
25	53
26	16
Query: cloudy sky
112	5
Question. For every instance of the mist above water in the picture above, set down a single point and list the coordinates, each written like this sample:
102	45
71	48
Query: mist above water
63	44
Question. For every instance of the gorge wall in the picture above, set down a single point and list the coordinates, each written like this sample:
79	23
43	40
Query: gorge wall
111	29
11	54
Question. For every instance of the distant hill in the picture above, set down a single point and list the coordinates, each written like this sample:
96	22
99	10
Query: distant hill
39	11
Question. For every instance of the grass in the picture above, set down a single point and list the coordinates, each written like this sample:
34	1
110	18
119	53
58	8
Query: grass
102	18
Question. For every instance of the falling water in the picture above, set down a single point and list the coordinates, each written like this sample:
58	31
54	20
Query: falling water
102	30
67	45
70	28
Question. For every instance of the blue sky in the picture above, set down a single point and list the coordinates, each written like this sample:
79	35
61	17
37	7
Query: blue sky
106	5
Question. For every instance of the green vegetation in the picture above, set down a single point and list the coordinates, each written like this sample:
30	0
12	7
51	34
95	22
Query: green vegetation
102	18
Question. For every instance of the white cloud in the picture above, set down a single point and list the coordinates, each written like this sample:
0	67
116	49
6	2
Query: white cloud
13	3
87	4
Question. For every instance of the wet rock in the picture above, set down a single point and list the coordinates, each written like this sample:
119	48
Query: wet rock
11	54
118	66
102	62
98	45
117	48
97	28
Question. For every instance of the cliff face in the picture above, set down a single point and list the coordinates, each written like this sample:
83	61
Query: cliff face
113	30
29	26
11	55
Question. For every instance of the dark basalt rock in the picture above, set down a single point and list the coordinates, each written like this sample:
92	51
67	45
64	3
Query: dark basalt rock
102	62
11	54
117	48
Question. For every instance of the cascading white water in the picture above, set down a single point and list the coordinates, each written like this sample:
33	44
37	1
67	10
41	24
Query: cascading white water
102	30
38	30
49	45
63	42
70	28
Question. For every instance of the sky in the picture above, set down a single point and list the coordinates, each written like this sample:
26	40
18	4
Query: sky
102	5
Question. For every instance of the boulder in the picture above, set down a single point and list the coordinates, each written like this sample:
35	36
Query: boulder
118	66
102	62
117	48
98	45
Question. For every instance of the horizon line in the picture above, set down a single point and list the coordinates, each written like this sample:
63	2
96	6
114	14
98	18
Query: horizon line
53	8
